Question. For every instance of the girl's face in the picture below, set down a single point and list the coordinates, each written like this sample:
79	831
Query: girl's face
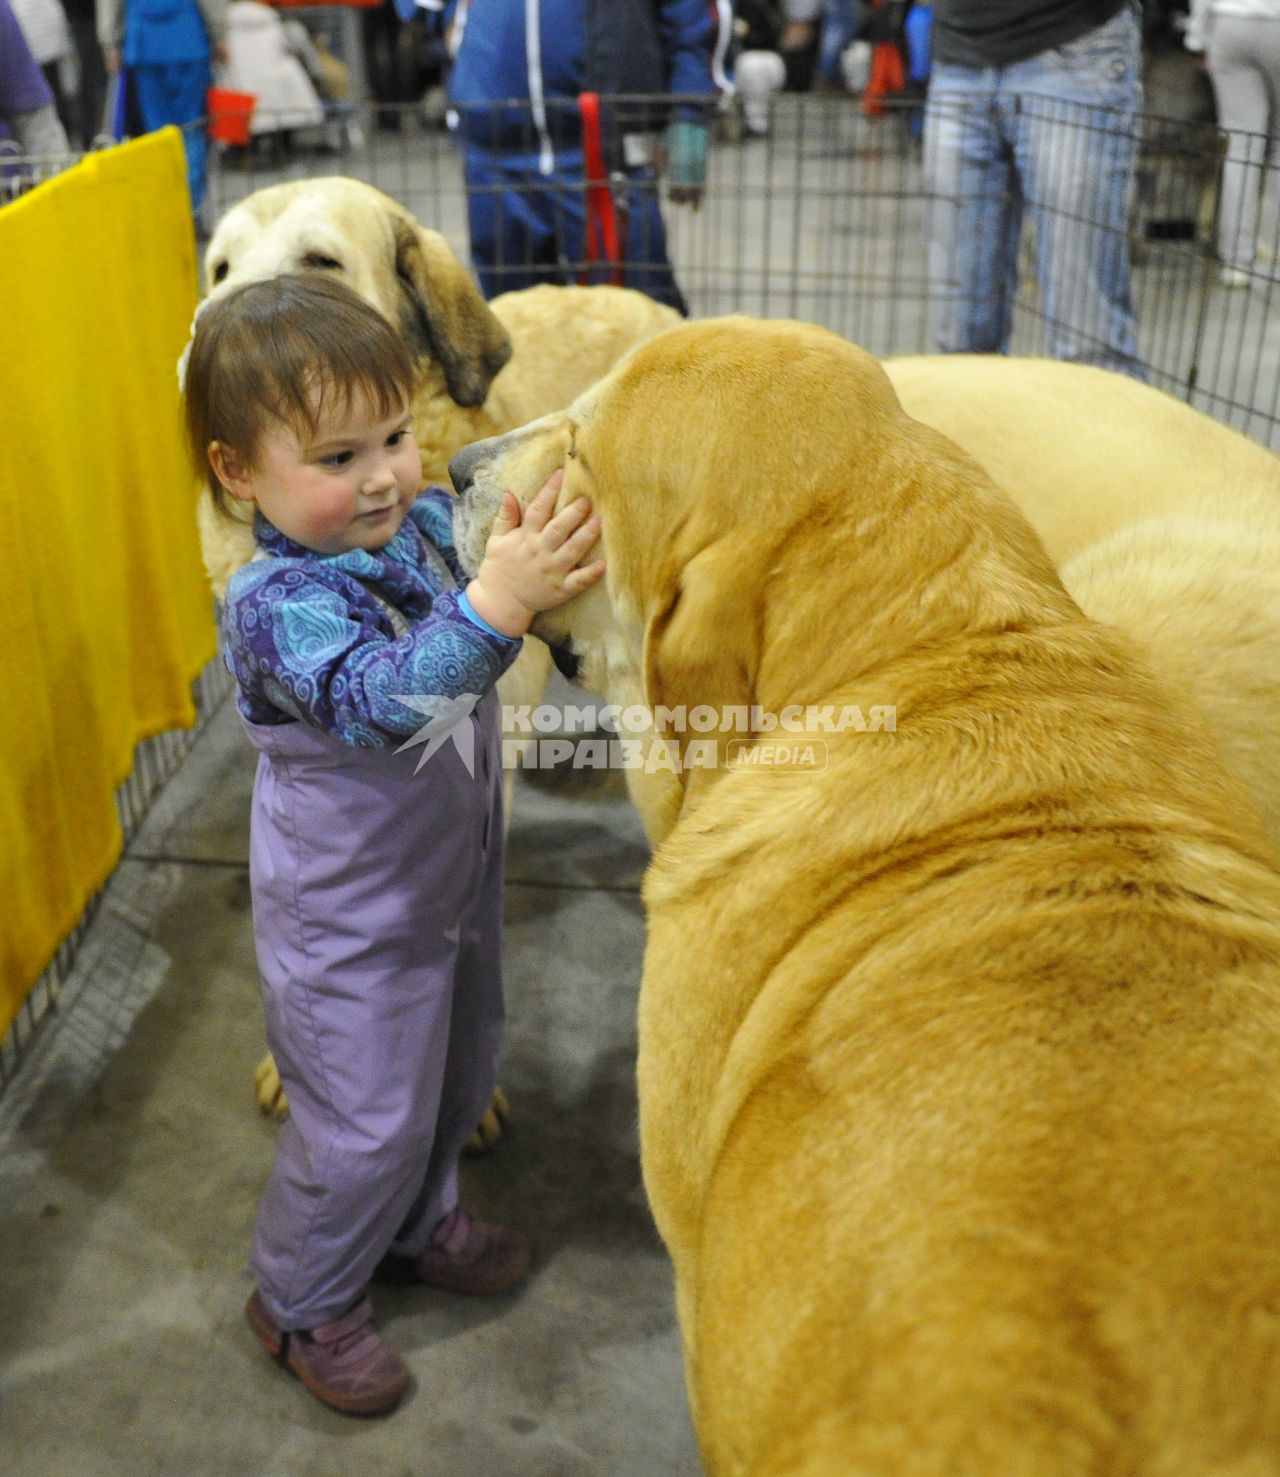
347	486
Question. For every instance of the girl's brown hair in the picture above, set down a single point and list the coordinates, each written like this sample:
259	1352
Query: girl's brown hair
275	351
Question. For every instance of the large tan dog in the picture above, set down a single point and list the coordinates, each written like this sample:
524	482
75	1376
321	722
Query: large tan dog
479	367
959	1105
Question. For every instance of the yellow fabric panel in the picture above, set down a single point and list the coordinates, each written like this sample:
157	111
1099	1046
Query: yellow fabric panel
104	604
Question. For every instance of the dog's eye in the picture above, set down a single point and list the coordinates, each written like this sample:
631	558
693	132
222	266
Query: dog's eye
220	271
320	262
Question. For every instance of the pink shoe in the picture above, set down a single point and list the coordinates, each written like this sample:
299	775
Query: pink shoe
466	1255
344	1363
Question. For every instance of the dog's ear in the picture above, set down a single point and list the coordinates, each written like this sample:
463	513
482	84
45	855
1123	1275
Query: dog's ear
702	642
445	315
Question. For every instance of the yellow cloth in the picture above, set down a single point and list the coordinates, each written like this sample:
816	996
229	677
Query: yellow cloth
104	608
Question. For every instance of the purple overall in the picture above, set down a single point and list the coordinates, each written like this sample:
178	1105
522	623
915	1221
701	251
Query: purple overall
377	908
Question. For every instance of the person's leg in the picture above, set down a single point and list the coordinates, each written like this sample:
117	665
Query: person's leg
92	100
358	955
363	1070
511	229
917	32
973	213
483	215
561	202
646	263
149	96
1074	113
378	26
840	24
175	94
53	76
190	87
475	1028
1241	91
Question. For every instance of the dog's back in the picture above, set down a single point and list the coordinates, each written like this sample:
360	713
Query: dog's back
1085	452
991	1160
1162	522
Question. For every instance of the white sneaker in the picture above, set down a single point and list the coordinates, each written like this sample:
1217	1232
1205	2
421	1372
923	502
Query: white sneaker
1234	277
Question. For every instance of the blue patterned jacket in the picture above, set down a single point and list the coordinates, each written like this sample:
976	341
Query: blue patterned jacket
308	639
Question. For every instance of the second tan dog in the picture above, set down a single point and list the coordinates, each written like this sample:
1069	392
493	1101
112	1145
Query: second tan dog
959	1105
1160	520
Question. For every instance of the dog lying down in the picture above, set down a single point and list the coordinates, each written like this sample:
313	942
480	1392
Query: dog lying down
959	1045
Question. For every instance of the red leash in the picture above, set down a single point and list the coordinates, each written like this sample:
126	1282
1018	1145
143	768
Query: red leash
886	79
602	243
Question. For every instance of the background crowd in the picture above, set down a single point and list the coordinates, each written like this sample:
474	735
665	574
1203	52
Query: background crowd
992	82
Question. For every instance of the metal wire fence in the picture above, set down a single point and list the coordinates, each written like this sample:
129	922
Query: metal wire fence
21	172
827	218
156	761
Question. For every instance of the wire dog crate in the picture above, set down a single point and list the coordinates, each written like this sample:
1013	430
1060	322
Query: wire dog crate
826	219
156	760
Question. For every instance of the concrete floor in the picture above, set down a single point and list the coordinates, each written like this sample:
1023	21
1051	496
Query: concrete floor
132	1155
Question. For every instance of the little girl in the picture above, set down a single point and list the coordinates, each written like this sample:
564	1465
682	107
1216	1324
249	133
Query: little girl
377	890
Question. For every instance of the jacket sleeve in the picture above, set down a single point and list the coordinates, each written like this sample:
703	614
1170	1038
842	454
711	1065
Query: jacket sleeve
23	89
695	44
432	512
297	646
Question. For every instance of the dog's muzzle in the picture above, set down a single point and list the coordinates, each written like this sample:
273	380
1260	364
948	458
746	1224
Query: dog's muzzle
471	518
463	465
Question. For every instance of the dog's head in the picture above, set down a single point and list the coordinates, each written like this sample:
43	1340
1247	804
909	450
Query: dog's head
407	272
774	524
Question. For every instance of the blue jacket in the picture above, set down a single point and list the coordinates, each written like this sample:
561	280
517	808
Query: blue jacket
675	47
310	640
164	32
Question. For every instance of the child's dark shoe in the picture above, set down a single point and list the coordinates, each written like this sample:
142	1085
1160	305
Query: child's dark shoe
344	1363
466	1255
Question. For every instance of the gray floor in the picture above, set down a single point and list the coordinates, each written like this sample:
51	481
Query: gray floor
131	1157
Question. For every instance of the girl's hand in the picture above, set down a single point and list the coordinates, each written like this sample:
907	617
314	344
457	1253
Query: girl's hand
532	562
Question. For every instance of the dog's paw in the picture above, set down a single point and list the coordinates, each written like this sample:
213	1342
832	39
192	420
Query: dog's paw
489	1129
267	1088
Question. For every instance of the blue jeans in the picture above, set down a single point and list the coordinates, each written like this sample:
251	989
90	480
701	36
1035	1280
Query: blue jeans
1054	134
527	227
840	24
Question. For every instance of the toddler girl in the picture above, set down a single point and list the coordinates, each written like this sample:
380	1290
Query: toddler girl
377	886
